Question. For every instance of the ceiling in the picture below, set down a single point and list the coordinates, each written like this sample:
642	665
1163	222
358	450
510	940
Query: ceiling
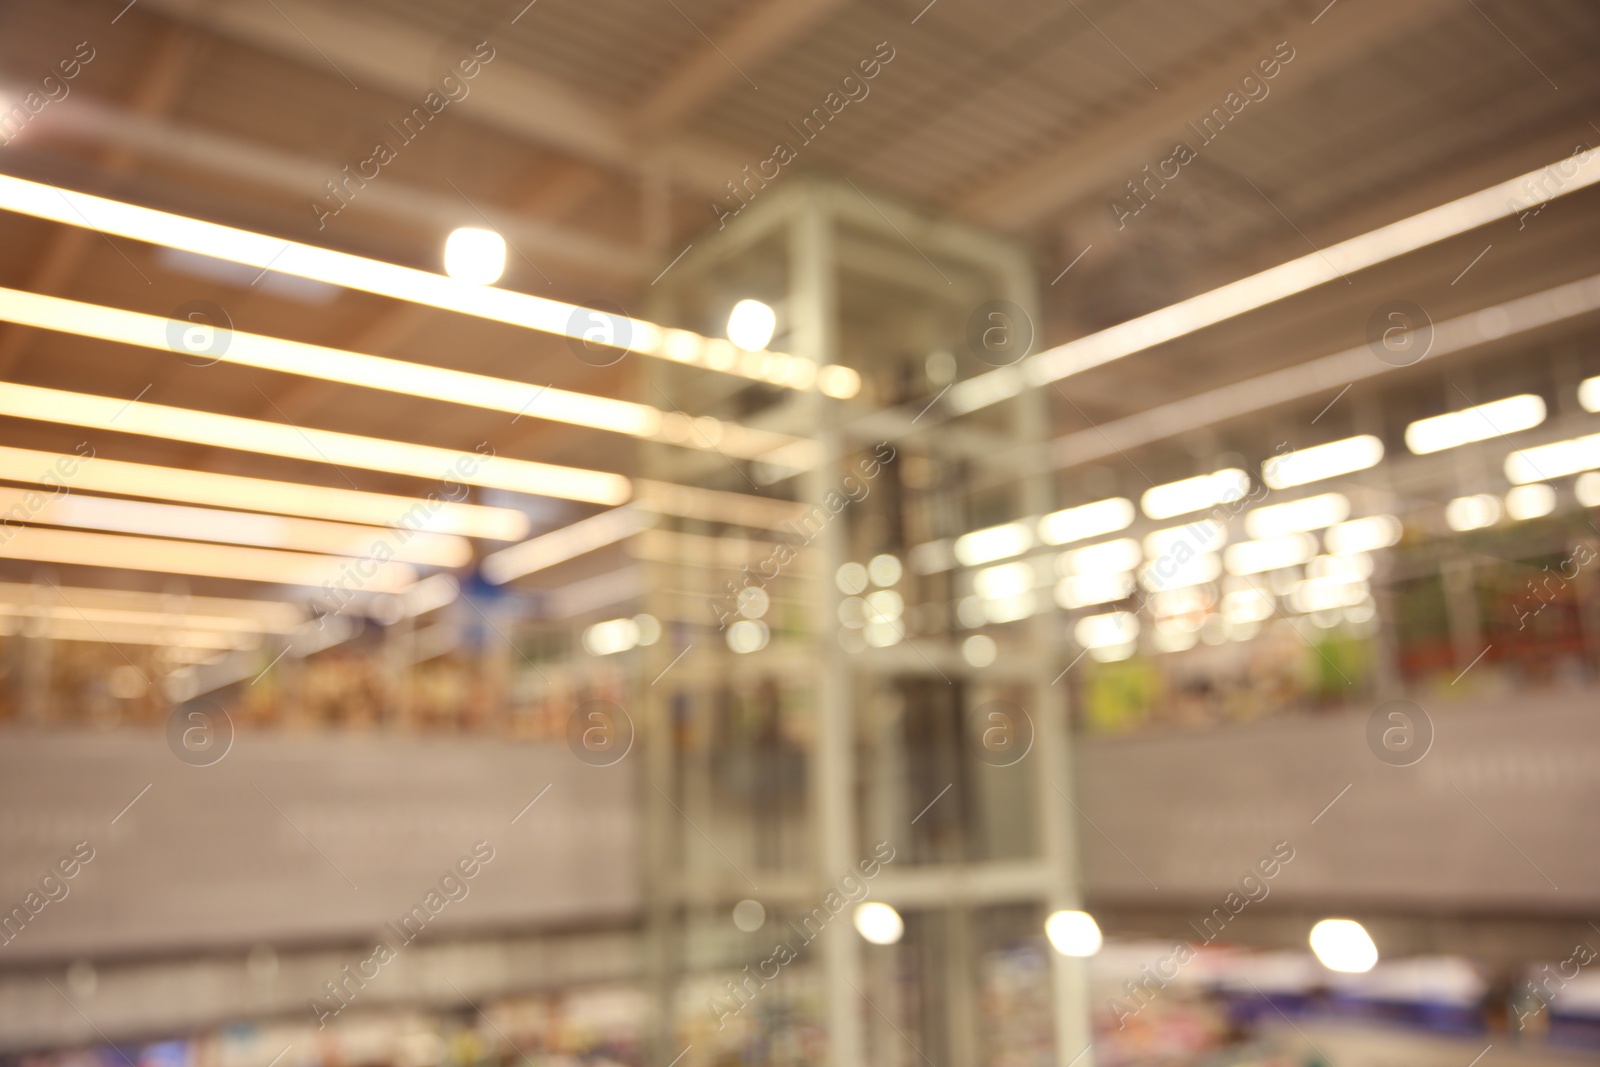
602	134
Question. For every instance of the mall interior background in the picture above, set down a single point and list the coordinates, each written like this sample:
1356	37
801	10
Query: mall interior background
708	532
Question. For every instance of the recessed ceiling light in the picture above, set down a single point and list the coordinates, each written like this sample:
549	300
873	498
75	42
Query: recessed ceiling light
475	255
751	324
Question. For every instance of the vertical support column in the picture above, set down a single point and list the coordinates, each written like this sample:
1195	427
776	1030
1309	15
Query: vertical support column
1053	739
655	779
813	311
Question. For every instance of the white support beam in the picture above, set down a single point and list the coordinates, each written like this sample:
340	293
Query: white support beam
1114	150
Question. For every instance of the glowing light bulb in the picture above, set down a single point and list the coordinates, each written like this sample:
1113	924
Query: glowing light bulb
751	324
475	255
878	923
1073	933
1344	945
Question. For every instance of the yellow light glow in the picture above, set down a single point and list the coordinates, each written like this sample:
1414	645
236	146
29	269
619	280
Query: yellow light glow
209	561
994	542
1195	494
71	208
72	628
198	612
1322	461
1344	945
223	626
1510	197
260	494
336	365
566	543
475	255
1480	423
396	376
233	527
315	446
1086	521
1073	933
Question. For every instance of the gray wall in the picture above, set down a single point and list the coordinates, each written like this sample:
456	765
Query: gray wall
1196	810
204	860
298	839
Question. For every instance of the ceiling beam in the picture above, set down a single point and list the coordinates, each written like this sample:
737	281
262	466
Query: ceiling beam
761	31
158	87
1111	151
199	150
387	56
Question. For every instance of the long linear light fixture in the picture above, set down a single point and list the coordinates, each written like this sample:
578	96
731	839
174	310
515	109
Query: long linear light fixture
619	524
276	566
69	627
232	527
1326	374
568	542
259	494
199	612
1321	376
316	446
1500	201
396	376
236	629
348	271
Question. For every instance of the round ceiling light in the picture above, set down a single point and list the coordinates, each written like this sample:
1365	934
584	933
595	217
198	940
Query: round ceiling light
475	255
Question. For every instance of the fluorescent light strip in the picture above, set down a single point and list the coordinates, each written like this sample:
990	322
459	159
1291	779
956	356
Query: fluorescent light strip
995	542
1363	535
315	446
72	628
1555	460
1107	557
1589	394
1466	513
1318	462
1479	423
347	271
740	509
1297	516
1195	494
1500	201
154	620
259	494
395	376
1086	520
261	616
568	542
1530	502
271	565
1006	580
1320	376
232	527
430	594
330	364
1270	554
